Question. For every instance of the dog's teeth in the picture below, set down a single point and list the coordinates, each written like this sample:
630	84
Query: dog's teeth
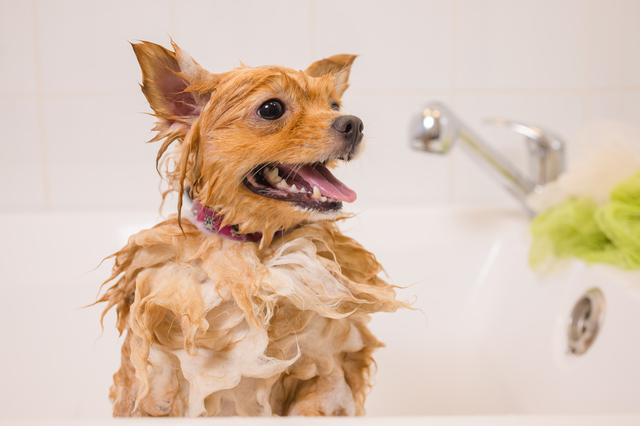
304	191
282	184
323	199
272	174
316	193
293	188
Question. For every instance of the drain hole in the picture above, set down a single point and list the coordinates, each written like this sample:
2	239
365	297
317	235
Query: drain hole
585	321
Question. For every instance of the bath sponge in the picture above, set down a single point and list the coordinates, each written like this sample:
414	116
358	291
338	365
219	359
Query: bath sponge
579	227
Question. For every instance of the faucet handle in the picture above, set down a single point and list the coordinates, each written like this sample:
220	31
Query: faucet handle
546	149
539	138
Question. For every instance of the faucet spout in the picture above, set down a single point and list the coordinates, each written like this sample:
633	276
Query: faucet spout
436	129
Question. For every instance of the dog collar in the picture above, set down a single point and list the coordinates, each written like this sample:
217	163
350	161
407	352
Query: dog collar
212	221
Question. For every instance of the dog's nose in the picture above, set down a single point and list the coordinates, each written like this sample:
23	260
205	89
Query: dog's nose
350	127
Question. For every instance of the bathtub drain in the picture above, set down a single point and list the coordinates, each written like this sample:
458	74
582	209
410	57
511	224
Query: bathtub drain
585	321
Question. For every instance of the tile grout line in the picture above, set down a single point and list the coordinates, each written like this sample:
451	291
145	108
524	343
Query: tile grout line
588	71
42	140
56	96
455	24
172	18
313	12
358	91
587	74
454	93
518	91
623	61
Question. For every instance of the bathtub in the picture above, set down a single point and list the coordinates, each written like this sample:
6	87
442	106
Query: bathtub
486	344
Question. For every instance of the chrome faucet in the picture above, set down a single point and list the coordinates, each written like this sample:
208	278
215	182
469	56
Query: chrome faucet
436	128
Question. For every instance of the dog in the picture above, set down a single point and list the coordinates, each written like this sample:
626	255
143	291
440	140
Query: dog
249	301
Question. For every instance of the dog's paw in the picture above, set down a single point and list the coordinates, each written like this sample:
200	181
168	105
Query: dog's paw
327	397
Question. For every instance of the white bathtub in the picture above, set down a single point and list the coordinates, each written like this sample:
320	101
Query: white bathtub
490	349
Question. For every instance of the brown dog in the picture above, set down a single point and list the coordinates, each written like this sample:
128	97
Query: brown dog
251	302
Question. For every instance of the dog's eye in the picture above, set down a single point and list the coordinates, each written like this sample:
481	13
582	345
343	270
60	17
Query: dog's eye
335	106
271	110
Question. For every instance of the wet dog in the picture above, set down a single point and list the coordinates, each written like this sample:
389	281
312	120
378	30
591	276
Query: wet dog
249	301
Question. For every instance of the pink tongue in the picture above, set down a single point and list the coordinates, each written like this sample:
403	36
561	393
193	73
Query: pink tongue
327	183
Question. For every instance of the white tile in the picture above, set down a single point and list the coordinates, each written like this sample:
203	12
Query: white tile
631	107
16	47
631	65
85	44
560	114
21	184
402	44
604	106
98	158
606	42
219	35
390	172
522	44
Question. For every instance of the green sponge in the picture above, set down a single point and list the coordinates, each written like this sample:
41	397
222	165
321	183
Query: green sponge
579	228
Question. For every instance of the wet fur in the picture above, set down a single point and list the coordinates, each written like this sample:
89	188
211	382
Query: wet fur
220	327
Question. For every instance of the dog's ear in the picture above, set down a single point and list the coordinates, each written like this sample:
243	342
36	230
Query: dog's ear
338	65
174	84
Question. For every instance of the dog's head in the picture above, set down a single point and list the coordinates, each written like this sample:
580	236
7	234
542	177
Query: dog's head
255	143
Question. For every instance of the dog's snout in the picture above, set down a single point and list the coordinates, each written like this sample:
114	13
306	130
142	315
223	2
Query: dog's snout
350	127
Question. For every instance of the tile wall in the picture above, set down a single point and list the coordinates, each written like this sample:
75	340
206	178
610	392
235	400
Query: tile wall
72	113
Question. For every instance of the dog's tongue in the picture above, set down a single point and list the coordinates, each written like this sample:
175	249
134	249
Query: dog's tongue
318	175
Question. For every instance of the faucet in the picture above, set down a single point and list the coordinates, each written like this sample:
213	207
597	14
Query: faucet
435	129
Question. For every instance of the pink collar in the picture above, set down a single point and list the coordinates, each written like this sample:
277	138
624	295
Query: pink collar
211	221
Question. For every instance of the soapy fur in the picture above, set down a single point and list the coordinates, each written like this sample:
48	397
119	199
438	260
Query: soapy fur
217	327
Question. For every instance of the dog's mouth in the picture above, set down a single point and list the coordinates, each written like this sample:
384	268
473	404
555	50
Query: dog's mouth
310	186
